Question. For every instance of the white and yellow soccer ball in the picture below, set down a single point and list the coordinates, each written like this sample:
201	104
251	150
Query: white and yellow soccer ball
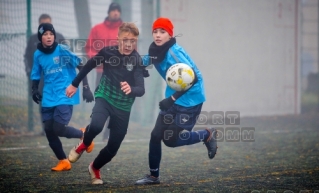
180	77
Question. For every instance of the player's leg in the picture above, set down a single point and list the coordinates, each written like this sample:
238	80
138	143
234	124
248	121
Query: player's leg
118	128
99	115
106	133
155	151
42	124
180	133
54	141
62	116
106	128
176	136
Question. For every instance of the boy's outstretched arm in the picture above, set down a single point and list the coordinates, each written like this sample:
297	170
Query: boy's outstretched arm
138	89
85	80
71	90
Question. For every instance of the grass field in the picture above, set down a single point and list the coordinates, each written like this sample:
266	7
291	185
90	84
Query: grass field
284	156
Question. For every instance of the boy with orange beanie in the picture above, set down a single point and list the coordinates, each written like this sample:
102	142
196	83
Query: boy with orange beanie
180	109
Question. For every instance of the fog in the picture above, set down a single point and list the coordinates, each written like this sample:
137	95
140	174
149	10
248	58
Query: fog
255	56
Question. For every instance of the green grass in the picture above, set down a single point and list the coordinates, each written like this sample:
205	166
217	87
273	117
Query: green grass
284	156
14	117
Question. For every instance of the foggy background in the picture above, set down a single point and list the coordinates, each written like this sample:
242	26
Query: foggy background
257	57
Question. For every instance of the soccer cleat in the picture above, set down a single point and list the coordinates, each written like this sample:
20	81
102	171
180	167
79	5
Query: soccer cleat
90	148
148	180
211	143
63	165
95	175
77	151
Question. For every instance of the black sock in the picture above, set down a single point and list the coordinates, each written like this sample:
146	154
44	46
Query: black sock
154	158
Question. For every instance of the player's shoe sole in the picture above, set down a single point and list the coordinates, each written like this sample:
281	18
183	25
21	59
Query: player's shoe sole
148	180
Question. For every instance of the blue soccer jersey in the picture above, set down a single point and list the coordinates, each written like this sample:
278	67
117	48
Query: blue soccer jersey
196	94
58	69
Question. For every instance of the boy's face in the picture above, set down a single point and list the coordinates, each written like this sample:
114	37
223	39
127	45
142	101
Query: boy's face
160	36
127	42
47	39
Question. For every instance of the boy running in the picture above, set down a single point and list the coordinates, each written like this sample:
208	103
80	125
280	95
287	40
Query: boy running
58	65
179	110
121	82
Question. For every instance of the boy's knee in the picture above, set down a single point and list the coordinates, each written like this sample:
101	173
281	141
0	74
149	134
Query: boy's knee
95	128
156	137
48	125
170	143
59	130
112	151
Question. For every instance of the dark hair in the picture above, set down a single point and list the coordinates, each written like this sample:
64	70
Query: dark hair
44	16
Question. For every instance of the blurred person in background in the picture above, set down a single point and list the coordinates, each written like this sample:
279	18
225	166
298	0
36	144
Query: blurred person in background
29	51
102	35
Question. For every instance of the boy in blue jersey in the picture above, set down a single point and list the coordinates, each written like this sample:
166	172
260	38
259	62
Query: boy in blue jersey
58	65
179	110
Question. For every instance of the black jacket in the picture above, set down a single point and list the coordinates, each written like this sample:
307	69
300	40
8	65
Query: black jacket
117	68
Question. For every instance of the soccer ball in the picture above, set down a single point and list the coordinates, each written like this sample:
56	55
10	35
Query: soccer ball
180	77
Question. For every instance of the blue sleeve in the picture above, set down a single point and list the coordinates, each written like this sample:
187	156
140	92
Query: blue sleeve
36	69
68	58
180	57
146	60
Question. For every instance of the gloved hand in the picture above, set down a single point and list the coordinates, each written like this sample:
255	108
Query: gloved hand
36	96
145	73
87	94
166	103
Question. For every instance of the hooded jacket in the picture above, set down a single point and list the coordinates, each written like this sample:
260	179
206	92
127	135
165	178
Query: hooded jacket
196	94
102	35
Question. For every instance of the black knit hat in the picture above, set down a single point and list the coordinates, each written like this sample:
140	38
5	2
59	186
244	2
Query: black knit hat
43	27
114	6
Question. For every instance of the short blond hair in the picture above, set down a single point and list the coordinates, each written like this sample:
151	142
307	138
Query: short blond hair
129	27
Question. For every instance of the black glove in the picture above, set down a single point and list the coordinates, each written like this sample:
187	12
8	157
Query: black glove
166	103
36	96
145	73
87	94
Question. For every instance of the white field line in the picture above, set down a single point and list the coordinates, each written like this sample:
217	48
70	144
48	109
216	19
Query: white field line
142	140
67	145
